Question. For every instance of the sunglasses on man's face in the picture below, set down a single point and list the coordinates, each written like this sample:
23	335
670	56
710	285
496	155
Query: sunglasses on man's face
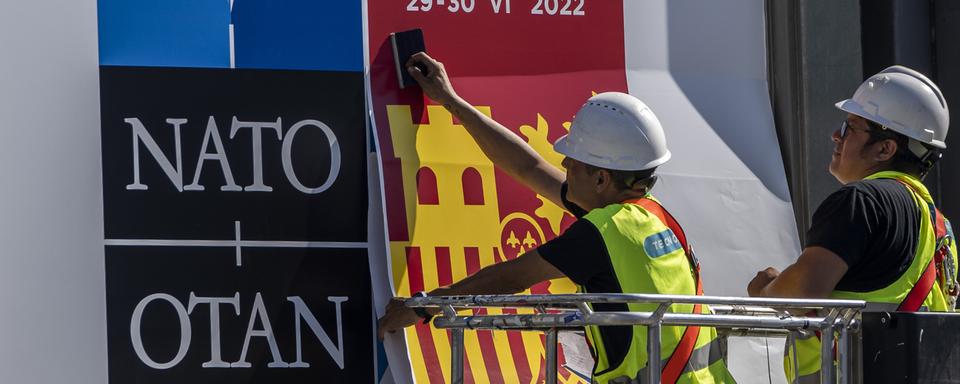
843	129
875	130
845	126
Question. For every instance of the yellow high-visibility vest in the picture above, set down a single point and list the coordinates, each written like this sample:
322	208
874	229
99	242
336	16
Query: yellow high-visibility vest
647	258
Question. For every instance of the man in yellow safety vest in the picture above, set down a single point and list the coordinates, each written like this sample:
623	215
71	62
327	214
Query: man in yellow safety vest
879	238
623	241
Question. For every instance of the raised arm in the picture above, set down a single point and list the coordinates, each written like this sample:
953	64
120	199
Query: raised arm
507	150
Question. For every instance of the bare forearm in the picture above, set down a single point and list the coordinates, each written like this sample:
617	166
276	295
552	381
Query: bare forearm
487	281
504	278
503	147
500	278
785	288
814	275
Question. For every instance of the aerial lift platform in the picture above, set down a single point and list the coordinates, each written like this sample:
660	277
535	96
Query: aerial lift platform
872	346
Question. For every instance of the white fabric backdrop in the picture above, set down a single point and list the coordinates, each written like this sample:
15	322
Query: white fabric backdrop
701	66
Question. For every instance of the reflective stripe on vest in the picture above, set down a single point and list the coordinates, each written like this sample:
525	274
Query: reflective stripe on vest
701	358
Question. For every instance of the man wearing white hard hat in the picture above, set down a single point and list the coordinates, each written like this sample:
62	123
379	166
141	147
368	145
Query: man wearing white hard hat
879	238
624	241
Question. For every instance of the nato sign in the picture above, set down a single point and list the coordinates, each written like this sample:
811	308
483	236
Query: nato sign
234	188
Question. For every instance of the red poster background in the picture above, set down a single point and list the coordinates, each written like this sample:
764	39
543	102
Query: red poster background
530	70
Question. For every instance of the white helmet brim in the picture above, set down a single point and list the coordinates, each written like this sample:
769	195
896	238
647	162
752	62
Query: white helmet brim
564	147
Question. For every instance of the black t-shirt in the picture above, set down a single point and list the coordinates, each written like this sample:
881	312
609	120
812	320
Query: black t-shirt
873	225
581	255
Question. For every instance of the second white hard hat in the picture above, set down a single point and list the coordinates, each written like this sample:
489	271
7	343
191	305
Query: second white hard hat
905	101
614	130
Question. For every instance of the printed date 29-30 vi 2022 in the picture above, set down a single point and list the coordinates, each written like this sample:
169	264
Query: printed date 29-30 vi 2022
542	7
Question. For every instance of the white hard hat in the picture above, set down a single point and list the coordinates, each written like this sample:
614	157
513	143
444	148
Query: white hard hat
614	130
904	101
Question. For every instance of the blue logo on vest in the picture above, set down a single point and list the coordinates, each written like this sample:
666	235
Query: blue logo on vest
660	244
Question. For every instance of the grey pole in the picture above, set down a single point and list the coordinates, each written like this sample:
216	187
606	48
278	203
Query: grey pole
856	352
845	358
551	356
653	353
456	356
826	356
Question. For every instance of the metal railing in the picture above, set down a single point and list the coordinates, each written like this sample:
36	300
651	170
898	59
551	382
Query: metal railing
554	312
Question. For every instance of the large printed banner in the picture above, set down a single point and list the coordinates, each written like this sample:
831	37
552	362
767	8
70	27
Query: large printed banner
234	140
235	192
530	64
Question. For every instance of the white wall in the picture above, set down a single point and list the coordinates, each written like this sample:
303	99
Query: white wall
51	223
701	66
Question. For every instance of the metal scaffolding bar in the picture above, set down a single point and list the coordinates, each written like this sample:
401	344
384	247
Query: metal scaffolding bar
761	316
456	356
576	319
551	340
843	346
573	299
826	356
653	353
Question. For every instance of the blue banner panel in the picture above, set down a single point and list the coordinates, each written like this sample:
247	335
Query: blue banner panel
298	34
165	33
257	34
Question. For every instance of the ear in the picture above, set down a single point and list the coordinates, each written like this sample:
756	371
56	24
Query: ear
885	150
603	179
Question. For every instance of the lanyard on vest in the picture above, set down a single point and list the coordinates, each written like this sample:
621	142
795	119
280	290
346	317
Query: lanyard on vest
931	273
681	354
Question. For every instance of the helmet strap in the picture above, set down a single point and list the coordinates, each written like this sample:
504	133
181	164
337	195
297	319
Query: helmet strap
927	156
652	181
648	183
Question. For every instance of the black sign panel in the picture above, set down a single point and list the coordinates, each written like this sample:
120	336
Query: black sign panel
235	217
282	152
160	328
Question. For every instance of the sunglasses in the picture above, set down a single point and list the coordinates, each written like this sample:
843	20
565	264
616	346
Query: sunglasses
843	129
845	126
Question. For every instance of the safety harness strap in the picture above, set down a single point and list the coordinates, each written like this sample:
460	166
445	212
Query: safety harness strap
922	288
681	354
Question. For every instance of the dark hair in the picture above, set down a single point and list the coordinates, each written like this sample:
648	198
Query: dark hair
903	160
625	180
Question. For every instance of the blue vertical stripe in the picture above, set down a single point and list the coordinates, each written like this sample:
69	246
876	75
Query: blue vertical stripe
268	34
299	34
165	33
